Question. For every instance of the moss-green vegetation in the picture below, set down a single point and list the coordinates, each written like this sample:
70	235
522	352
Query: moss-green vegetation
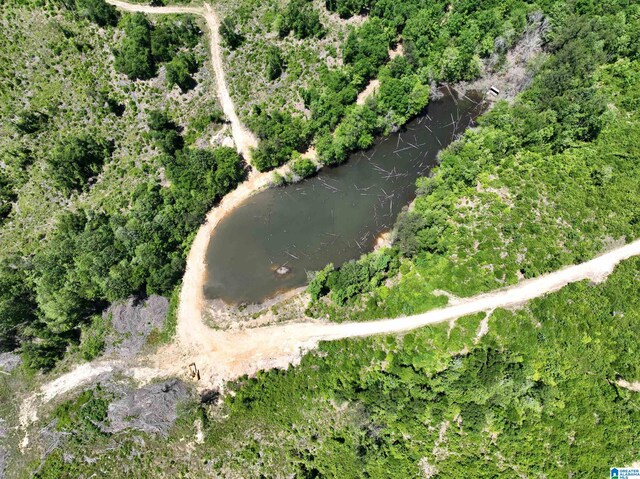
548	181
303	167
144	46
91	259
536	395
165	335
92	338
329	60
93	207
83	415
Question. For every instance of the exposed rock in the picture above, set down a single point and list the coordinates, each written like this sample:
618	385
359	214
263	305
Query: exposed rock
133	321
9	361
151	409
282	270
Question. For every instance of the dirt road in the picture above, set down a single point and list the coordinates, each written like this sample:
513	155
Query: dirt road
242	137
191	329
224	355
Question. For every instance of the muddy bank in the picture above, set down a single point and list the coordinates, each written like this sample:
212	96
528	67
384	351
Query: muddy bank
272	241
281	308
510	72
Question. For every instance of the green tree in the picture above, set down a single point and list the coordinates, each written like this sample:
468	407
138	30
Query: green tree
17	302
77	158
179	71
275	63
280	134
169	35
301	18
98	11
366	48
134	57
164	131
303	167
347	8
230	33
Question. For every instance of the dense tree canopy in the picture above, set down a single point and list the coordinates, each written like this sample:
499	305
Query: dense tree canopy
301	18
489	215
144	46
75	159
280	134
93	258
134	57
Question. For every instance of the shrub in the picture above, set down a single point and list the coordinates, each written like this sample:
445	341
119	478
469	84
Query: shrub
92	339
134	57
75	159
179	71
230	34
275	64
303	167
301	18
98	11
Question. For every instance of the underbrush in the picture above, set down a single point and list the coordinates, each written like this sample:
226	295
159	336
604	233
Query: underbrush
540	184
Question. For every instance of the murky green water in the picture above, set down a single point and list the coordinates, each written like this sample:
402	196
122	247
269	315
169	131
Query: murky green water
334	217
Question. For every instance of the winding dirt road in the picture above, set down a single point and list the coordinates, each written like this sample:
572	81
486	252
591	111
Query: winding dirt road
242	137
225	355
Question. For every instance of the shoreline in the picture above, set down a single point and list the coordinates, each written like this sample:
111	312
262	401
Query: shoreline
194	304
192	300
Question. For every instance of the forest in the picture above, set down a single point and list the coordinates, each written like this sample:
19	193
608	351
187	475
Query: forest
59	284
325	113
549	180
87	219
92	259
542	183
537	395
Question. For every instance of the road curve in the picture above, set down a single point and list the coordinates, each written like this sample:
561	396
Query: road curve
245	141
223	355
226	355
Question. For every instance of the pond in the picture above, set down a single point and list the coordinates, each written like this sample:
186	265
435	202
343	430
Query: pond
333	217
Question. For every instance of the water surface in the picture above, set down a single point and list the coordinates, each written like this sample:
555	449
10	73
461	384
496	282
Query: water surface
333	217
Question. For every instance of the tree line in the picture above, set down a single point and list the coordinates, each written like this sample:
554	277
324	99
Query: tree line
560	160
93	258
145	46
443	42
